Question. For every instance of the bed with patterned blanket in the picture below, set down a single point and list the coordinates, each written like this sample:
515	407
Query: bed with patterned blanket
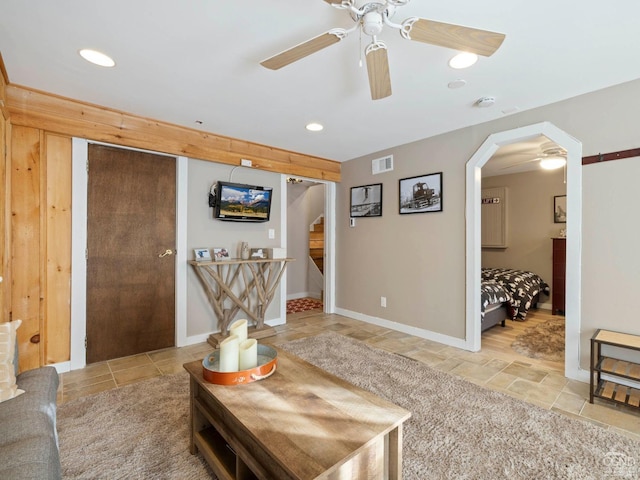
522	287
494	304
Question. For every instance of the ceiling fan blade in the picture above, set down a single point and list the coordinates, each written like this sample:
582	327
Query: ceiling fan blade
457	37
378	70
304	49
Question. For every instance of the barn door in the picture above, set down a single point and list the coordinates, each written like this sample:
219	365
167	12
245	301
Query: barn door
130	252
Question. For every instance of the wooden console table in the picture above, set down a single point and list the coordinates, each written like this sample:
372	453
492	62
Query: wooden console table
248	284
301	423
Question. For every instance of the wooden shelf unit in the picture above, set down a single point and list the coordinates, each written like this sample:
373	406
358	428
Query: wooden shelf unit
608	389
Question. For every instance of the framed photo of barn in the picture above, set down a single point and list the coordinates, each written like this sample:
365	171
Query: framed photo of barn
366	201
421	194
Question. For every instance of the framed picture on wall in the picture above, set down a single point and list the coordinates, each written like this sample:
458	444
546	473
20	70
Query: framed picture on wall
421	194
560	209
366	201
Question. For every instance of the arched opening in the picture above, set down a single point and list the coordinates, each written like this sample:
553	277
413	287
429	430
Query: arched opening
574	231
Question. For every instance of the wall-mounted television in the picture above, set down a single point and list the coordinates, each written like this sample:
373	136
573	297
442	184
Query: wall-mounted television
242	203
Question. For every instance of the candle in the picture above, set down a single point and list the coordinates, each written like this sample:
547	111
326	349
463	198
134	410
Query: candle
248	354
229	356
239	329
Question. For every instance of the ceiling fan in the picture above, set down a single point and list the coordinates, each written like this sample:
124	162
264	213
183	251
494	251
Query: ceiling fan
550	158
371	18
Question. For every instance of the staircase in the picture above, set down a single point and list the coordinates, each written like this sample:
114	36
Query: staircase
316	243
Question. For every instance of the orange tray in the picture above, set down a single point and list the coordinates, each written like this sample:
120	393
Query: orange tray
267	361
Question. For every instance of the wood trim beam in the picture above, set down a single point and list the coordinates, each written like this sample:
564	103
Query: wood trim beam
32	108
606	157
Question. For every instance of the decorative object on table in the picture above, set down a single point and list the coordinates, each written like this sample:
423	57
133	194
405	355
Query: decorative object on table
248	354
244	251
560	209
563	233
366	201
239	328
220	254
202	254
229	355
266	362
258	253
421	194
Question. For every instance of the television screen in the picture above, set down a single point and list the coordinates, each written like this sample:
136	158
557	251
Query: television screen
245	203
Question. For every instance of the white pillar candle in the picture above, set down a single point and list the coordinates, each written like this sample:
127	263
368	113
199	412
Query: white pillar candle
248	354
239	329
229	356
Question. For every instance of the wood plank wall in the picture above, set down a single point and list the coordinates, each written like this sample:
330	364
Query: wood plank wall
35	217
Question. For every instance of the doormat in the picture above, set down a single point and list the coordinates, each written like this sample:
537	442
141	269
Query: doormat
302	305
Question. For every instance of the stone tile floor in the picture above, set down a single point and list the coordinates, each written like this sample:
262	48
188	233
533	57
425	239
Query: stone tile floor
509	373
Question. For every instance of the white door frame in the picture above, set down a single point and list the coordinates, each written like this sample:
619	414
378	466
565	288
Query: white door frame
574	234
329	242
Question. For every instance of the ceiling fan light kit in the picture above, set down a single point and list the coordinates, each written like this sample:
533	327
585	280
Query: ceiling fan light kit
553	163
371	18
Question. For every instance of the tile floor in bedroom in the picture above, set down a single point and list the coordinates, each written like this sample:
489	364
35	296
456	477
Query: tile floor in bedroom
527	379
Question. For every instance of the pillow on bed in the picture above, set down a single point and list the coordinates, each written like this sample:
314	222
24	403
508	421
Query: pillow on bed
8	360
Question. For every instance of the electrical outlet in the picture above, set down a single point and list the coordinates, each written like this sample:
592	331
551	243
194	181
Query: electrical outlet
352	222
246	163
383	302
272	234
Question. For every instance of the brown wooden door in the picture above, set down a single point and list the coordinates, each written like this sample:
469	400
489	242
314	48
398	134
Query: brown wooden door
131	221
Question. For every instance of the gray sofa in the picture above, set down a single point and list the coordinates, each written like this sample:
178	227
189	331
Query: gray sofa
28	436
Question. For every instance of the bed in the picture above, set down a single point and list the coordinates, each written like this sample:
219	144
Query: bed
494	304
508	293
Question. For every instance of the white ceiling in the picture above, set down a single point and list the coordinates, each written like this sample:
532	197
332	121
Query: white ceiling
198	60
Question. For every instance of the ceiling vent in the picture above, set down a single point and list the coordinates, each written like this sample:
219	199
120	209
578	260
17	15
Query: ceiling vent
381	165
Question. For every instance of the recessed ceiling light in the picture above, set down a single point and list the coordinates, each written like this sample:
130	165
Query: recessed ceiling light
97	58
314	127
463	60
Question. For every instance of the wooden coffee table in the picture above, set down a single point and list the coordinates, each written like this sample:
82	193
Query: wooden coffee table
300	423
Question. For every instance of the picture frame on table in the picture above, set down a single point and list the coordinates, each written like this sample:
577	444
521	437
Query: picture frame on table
220	254
366	201
202	254
420	194
560	209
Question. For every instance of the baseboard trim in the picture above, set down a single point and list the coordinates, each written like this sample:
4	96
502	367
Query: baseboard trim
400	327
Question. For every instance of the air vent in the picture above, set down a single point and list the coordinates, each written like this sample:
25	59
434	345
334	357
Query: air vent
381	165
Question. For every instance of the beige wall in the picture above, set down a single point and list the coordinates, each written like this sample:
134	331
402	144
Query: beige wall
418	261
530	225
203	231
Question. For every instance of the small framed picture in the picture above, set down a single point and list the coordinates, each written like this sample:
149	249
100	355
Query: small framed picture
560	209
421	194
220	254
258	253
366	201
202	254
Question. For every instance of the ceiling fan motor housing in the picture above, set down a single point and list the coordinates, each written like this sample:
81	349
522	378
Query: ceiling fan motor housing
372	23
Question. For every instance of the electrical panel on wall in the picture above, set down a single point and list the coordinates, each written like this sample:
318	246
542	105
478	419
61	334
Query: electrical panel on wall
494	217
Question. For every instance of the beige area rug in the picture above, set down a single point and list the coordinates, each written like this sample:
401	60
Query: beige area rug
544	341
458	430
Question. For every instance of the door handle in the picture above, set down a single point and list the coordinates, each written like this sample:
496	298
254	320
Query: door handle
165	253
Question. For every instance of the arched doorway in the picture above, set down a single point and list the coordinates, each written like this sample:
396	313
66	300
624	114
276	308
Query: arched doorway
574	232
